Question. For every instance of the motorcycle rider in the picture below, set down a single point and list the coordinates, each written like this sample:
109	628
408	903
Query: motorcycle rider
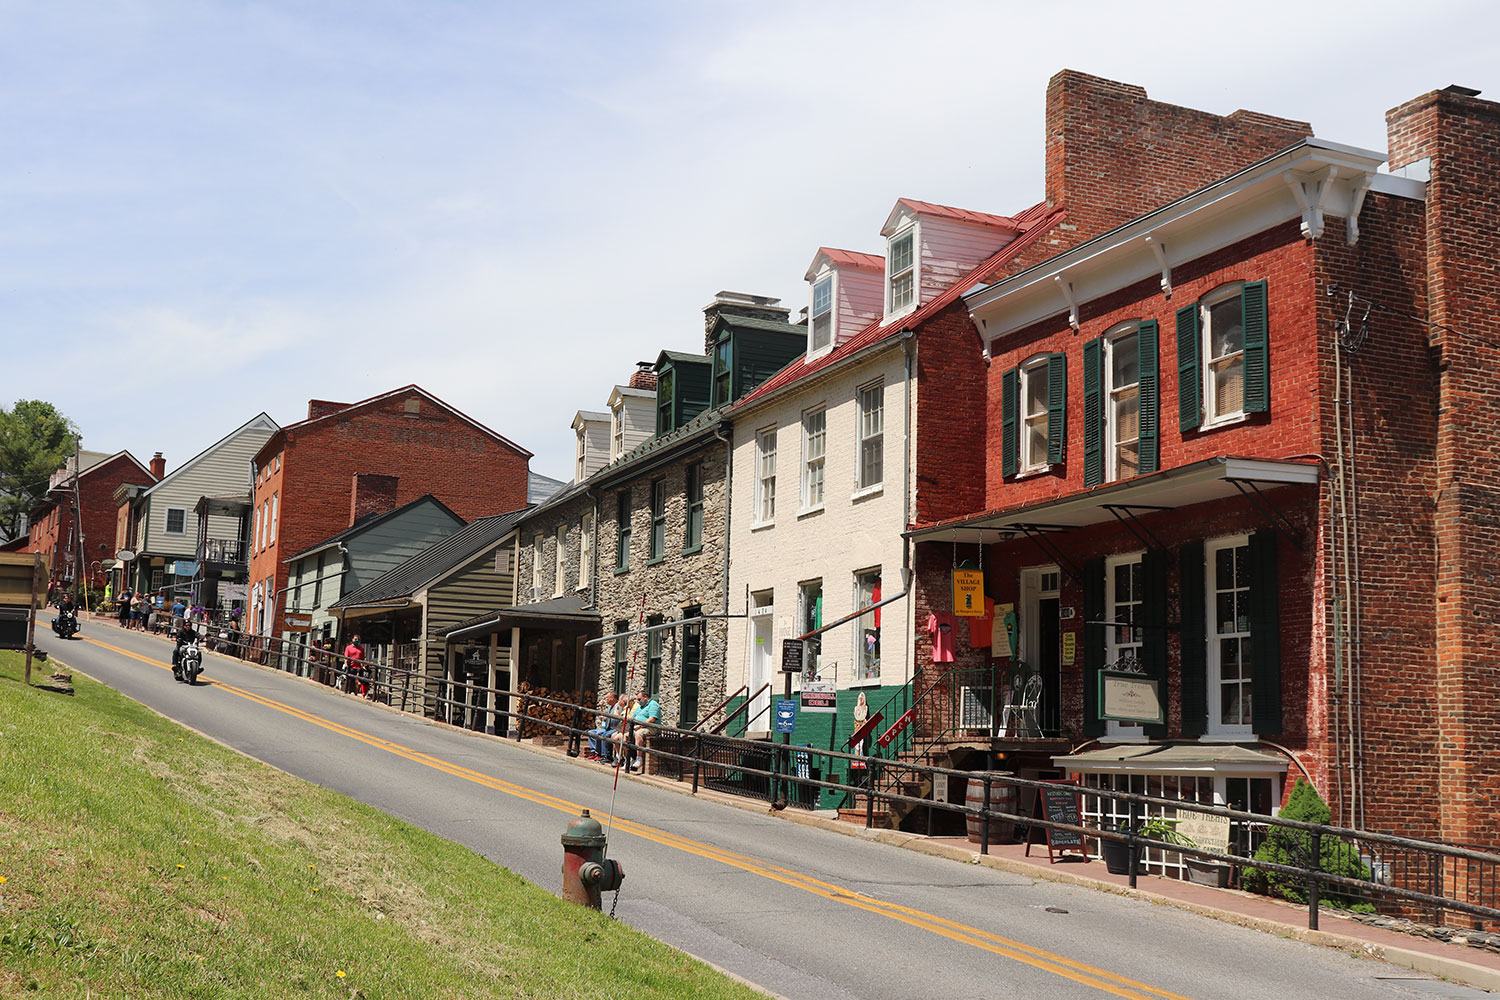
184	635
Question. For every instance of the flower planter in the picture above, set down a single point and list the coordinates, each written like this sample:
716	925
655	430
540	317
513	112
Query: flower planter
1116	855
1210	873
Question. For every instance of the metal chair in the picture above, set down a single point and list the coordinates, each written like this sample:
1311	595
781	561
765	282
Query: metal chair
1018	719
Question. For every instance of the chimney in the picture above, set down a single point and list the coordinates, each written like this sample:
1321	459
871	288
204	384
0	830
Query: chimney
1114	155
322	407
158	466
740	304
644	376
371	493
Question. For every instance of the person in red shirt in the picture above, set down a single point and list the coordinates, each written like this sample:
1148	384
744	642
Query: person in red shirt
354	653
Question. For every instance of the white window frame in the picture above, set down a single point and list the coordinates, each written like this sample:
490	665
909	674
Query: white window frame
1114	647
585	550
864	434
582	457
560	562
537	551
892	307
811	662
1209	378
818	347
1217	728
1032	368
617	432
1111	420
765	477
862	673
814	459
260	511
166	526
275	516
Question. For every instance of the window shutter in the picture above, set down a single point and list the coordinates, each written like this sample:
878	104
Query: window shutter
1189	380
1150	398
1093	644
1154	636
1010	404
1192	616
1257	348
1057	406
1093	412
1265	638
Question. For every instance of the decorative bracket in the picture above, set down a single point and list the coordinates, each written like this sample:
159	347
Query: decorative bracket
1038	534
1312	196
1067	290
1356	203
1161	260
1251	490
1125	514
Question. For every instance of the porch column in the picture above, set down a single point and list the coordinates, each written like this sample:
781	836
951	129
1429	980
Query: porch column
515	663
490	694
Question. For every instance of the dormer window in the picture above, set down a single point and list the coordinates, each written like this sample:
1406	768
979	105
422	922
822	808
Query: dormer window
617	432
666	388
901	272
582	456
820	321
722	373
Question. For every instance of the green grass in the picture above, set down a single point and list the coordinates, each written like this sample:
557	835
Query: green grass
140	860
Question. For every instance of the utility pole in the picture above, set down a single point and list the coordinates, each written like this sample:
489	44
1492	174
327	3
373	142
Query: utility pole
78	530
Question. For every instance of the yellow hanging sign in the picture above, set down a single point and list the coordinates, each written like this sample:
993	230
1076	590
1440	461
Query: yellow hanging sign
968	593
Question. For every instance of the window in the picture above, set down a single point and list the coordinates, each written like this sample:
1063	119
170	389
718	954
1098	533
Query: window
666	389
317	601
585	550
578	465
814	447
622	532
176	521
655	641
867	634
902	272
658	547
692	540
1229	671
260	524
723	373
560	562
821	318
617	432
1123	413
1224	356
1034	411
622	658
765	476
692	667
536	566
871	436
275	513
1123	597
810	617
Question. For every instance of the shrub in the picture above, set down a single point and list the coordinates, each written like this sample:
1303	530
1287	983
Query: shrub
1285	846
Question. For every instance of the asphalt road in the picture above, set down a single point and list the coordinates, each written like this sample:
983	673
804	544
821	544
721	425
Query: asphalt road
802	912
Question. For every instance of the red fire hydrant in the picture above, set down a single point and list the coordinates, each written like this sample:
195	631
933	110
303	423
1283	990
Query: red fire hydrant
586	872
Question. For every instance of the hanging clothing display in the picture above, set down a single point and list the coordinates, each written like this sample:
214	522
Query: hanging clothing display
980	629
942	627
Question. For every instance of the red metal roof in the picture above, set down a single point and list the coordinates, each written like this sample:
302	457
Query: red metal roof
851	258
1038	223
960	214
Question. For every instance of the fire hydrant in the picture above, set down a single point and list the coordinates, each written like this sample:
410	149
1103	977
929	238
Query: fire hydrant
586	872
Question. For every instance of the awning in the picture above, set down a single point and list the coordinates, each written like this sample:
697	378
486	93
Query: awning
1174	758
568	613
373	608
1200	482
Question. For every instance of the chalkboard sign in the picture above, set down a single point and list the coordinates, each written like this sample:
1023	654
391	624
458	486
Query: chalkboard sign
1057	802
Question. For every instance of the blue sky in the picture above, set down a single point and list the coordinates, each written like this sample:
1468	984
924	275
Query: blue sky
212	209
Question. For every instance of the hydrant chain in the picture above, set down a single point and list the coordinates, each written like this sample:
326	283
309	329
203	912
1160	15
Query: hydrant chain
586	871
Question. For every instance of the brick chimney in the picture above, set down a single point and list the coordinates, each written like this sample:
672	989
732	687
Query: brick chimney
740	304
158	466
644	376
322	407
1114	155
371	493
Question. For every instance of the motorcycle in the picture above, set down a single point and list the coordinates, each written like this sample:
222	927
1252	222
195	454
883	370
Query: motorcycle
65	624
189	662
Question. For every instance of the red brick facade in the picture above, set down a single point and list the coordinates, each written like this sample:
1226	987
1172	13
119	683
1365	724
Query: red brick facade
52	522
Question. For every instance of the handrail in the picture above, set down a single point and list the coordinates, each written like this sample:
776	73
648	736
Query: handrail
720	706
744	706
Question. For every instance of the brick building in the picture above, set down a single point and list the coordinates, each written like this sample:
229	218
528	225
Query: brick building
1239	465
316	477
53	525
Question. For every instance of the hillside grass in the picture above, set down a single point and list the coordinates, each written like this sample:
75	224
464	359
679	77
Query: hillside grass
138	859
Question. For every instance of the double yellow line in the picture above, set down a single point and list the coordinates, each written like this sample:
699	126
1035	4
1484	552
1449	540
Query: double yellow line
1067	968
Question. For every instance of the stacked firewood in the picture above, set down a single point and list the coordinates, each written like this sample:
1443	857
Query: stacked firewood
543	718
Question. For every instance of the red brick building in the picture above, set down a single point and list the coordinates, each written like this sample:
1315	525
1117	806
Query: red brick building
1216	484
53	524
315	477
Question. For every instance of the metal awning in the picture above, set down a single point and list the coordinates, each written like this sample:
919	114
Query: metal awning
1210	479
1174	758
373	608
566	612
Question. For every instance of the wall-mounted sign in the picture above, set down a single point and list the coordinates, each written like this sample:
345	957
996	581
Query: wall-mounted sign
820	697
1129	697
1066	613
786	715
1069	648
294	622
791	656
1209	832
968	593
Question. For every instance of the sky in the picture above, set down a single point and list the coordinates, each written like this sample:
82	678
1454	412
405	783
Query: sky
212	209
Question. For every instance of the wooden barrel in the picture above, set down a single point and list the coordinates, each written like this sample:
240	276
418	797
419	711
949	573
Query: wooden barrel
1002	799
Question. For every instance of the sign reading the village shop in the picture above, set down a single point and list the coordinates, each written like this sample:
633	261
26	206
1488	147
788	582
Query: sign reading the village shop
1129	697
968	593
791	656
1057	802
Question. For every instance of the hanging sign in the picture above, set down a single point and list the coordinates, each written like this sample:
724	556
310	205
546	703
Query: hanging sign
791	656
897	727
1069	648
1129	697
968	593
786	715
294	622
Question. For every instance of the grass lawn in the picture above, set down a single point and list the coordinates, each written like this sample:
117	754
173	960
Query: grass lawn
140	860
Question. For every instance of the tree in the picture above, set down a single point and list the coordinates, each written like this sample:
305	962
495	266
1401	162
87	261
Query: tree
1286	846
35	439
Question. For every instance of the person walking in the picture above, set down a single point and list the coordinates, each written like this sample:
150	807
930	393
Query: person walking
354	654
123	611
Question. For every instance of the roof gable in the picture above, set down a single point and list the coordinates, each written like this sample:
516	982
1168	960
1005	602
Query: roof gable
260	422
843	259
911	207
369	521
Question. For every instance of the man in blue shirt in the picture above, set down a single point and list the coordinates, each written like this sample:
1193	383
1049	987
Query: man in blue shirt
602	735
647	713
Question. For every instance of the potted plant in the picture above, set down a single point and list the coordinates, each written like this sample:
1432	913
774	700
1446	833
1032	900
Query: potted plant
1116	853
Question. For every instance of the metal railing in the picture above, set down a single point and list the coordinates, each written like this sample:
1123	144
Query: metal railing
1317	864
226	550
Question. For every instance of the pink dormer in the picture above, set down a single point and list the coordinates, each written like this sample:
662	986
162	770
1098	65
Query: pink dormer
847	293
929	247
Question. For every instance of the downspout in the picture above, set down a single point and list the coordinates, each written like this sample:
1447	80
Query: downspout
724	582
908	349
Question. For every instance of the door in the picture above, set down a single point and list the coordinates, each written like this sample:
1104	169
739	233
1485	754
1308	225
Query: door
761	653
1049	663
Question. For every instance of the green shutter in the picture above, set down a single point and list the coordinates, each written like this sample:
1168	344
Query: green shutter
1154	635
1189	379
1257	348
1093	644
1010	404
1093	412
1150	398
1057	407
1192	614
1265	635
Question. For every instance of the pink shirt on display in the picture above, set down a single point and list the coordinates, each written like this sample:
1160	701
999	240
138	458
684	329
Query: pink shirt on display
943	628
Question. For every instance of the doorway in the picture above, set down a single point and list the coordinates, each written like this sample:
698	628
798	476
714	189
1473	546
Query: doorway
1041	640
762	645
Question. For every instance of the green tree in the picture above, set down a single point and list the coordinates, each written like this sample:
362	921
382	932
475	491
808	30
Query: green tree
1285	846
34	440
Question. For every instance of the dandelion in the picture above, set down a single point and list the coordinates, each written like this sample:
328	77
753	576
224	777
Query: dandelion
182	866
340	973
316	888
2	879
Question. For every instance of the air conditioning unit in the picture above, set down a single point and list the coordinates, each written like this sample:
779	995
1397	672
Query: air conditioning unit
976	708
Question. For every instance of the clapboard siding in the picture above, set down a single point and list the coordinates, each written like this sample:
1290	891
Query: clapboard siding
485	583
304	594
221	470
390	542
639	414
757	356
949	250
861	299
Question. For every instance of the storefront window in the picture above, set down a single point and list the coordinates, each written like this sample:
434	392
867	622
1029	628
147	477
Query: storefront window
867	632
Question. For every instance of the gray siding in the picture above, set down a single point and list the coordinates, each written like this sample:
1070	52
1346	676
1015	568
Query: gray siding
390	543
476	588
222	470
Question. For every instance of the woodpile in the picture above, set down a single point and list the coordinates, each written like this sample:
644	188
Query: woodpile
544	720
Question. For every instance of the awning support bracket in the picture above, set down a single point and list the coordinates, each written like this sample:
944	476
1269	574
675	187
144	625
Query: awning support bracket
1125	514
1038	535
1252	491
